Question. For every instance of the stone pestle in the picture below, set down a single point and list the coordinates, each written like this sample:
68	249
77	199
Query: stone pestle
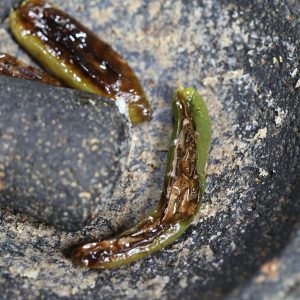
61	151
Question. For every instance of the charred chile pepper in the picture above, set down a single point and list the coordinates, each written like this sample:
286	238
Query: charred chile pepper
11	66
181	197
76	56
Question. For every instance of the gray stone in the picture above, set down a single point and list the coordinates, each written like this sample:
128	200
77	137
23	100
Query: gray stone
278	278
61	151
5	6
243	56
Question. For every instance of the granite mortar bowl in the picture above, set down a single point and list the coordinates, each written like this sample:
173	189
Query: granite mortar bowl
243	58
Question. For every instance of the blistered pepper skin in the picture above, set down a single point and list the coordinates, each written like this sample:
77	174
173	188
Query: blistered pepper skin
181	197
76	56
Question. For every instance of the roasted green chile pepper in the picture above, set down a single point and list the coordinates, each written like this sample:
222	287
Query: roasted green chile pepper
11	66
181	197
76	56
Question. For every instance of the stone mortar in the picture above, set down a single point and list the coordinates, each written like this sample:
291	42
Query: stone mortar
243	58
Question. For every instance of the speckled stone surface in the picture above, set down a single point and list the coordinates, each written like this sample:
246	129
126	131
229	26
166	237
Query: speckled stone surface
277	278
243	57
62	152
5	6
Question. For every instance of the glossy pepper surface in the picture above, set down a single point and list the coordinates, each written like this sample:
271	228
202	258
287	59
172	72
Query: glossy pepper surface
76	56
181	197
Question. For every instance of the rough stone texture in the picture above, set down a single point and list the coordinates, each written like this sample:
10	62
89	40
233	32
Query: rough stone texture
243	57
278	278
62	152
